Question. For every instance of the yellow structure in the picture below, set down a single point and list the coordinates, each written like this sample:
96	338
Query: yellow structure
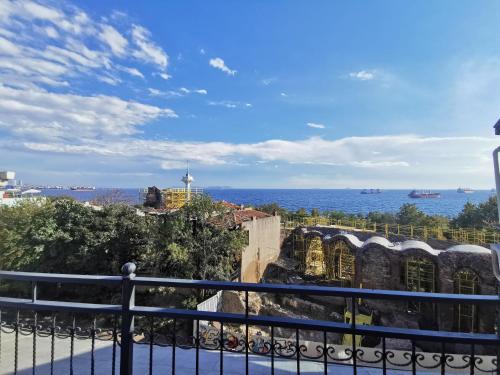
176	198
474	236
340	263
360	319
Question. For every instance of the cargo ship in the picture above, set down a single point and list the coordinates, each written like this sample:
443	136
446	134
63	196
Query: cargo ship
465	190
82	188
423	194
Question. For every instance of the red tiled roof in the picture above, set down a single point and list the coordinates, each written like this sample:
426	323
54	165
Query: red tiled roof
241	216
230	205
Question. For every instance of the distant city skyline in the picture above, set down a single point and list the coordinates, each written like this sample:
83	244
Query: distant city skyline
381	94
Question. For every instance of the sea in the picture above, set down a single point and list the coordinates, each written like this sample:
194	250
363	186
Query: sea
346	200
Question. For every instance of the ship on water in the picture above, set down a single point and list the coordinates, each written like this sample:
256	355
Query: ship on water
424	194
465	190
371	191
82	188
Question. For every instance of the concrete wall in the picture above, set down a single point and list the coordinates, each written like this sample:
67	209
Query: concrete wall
263	248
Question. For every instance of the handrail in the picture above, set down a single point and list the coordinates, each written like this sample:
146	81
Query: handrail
127	311
274	321
256	287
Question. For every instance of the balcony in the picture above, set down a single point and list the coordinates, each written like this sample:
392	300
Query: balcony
61	337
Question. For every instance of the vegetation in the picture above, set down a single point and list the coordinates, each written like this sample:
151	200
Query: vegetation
482	215
64	235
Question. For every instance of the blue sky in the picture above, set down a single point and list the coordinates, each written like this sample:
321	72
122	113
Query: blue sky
322	94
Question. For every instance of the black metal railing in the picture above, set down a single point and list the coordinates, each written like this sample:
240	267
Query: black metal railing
230	331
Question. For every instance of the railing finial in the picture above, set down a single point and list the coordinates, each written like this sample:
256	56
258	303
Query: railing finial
128	269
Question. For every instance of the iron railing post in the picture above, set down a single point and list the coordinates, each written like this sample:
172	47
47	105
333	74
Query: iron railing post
127	327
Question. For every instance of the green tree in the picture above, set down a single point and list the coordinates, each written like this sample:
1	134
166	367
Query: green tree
409	214
271	208
477	216
315	212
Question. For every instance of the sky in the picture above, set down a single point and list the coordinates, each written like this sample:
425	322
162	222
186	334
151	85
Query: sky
257	94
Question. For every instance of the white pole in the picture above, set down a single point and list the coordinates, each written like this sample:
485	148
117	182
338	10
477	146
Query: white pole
497	178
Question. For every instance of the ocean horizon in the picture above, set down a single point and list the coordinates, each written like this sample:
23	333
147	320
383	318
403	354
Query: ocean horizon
346	200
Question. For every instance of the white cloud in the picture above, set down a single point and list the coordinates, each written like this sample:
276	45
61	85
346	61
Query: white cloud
148	50
202	51
132	71
229	104
114	39
284	94
315	125
218	63
47	41
183	91
394	151
34	114
363	75
268	81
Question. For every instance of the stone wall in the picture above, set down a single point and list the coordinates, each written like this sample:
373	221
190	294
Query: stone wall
263	247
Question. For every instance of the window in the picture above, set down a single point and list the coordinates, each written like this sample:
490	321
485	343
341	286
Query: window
340	263
465	316
420	277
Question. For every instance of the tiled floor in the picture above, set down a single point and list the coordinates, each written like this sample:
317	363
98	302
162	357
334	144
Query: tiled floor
162	359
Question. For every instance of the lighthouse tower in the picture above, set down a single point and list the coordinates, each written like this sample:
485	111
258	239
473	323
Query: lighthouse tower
187	179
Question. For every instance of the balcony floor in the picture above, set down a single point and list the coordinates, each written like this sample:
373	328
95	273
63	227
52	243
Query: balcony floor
234	363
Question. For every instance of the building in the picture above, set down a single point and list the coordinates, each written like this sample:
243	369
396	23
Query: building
373	262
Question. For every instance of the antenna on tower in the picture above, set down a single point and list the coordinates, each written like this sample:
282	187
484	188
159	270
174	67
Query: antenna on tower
187	179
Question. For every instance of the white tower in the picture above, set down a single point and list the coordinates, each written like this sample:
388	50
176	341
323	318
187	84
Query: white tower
187	179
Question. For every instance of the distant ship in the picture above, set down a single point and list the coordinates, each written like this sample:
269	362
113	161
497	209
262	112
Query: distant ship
423	194
371	191
465	190
82	188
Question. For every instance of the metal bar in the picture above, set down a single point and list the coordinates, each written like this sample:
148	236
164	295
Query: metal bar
60	278
197	347
0	338
472	359
92	351
72	345
272	350
384	357
34	330
174	343
39	305
325	358
221	367
443	359
151	343
319	290
247	343
353	326
413	359
115	339
16	343
52	343
127	327
297	349
320	325
255	287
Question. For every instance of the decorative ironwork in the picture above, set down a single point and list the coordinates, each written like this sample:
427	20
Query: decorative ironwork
230	332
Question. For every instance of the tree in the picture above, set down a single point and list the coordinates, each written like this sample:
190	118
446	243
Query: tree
198	241
409	214
477	216
271	208
315	212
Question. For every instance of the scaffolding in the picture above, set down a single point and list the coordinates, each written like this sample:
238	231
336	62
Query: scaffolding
420	277
176	198
340	263
465	281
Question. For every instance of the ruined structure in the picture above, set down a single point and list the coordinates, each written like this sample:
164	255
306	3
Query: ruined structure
343	259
